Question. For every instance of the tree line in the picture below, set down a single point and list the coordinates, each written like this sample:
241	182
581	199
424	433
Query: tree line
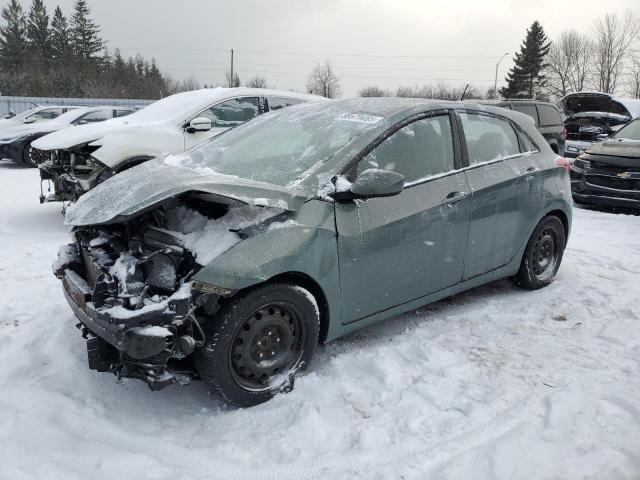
60	56
63	56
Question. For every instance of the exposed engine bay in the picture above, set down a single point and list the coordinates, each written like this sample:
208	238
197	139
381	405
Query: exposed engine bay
71	173
130	284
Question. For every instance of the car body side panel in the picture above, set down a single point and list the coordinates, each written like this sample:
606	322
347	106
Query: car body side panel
495	220
308	246
555	179
395	249
141	142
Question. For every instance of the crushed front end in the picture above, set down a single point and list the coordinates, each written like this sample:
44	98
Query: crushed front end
130	286
65	175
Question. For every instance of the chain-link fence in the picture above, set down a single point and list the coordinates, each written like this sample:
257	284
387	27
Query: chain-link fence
20	104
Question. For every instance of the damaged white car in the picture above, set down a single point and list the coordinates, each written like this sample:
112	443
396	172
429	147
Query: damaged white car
80	159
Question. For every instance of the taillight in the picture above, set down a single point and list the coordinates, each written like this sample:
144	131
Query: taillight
563	162
565	134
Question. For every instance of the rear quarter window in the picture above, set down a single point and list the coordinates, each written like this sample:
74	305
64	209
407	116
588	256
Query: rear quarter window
527	110
549	116
276	103
488	137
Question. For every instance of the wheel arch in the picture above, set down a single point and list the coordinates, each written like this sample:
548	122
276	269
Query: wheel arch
305	281
132	162
563	218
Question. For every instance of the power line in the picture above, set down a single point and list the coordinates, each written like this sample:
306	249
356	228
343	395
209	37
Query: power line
316	54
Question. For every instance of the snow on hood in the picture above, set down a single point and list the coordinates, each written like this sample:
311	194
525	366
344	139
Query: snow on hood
80	134
142	188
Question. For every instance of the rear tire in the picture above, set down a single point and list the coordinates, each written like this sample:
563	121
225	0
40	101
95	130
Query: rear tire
256	343
543	254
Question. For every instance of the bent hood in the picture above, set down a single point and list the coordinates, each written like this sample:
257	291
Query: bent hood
80	135
142	188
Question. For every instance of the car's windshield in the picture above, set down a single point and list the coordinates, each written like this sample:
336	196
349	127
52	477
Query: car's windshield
279	148
630	132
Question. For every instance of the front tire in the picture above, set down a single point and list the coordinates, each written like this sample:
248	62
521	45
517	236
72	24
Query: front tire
27	156
543	254
257	342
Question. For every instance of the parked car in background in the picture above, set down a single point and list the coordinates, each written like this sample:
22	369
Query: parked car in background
34	115
79	160
245	251
608	173
15	141
591	117
546	117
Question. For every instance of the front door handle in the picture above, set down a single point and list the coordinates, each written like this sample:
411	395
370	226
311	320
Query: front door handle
455	197
531	170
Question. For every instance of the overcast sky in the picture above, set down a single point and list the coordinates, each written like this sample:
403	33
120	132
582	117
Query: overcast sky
369	42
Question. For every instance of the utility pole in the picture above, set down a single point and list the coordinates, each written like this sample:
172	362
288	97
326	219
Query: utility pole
495	83
231	76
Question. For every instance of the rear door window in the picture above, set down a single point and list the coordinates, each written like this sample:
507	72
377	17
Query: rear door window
417	151
122	113
549	116
93	117
276	103
488	137
527	110
232	112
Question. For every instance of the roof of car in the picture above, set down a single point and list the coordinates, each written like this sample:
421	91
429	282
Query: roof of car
391	106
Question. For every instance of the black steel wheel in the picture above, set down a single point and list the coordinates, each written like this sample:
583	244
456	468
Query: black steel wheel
543	254
257	343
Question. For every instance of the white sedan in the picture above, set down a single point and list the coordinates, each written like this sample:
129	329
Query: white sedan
79	159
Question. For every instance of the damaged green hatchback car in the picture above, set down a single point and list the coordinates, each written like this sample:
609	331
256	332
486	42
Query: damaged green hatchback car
230	262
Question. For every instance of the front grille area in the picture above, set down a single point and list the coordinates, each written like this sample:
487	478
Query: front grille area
614	169
613	182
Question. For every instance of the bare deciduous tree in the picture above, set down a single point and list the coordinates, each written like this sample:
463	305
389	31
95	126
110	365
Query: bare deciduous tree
440	91
614	37
257	82
568	63
634	76
323	81
227	79
372	91
186	85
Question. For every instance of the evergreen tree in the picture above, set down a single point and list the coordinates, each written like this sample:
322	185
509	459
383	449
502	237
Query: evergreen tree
60	39
526	78
84	33
38	31
13	35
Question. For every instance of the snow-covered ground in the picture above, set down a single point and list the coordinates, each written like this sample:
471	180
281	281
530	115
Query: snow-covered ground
496	383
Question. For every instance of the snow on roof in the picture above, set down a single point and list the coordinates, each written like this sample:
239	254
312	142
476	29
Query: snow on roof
180	105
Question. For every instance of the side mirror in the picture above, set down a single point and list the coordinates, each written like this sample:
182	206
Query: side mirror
601	136
373	183
199	124
29	120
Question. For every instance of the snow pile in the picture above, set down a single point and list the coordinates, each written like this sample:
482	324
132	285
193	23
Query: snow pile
496	383
208	238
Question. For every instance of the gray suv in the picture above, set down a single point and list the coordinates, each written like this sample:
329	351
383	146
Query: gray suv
546	118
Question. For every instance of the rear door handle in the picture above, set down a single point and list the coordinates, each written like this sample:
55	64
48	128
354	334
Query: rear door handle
455	197
532	170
